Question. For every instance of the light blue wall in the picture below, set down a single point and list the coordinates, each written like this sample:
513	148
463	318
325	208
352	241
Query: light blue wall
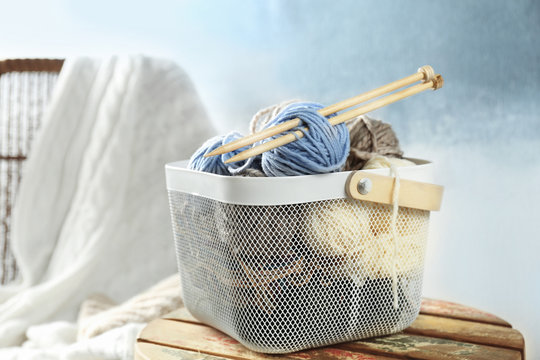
482	128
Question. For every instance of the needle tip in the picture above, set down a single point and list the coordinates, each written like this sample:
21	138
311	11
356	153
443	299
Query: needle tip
212	153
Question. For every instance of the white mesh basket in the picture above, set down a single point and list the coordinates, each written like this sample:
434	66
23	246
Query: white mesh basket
284	264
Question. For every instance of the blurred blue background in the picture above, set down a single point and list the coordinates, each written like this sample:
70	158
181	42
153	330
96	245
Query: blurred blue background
482	129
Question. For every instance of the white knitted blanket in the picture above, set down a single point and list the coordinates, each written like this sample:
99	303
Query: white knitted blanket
92	213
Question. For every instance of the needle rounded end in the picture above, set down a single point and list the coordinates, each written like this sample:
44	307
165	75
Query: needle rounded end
438	82
429	73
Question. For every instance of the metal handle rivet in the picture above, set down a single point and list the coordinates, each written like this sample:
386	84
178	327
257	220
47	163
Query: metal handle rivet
364	186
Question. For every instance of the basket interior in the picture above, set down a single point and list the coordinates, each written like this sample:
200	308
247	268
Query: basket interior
288	277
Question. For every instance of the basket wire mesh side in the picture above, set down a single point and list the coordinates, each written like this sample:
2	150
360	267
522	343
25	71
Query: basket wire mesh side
25	89
288	277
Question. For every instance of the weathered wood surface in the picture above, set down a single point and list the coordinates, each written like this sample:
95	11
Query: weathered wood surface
458	311
461	330
207	340
148	351
404	346
182	314
442	331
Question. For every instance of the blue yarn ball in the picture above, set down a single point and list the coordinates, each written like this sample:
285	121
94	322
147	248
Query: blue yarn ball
216	164
323	149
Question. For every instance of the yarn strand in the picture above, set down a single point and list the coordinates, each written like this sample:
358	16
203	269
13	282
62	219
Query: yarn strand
393	229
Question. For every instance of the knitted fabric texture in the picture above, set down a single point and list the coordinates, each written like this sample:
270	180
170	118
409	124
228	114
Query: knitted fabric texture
93	305
98	314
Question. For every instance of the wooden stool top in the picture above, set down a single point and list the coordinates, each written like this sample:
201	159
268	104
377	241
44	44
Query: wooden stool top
443	330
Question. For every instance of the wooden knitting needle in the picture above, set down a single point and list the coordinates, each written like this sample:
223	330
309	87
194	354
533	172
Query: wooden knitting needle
424	73
434	84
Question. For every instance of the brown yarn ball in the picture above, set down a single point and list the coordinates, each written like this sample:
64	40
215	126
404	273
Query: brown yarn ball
249	172
370	137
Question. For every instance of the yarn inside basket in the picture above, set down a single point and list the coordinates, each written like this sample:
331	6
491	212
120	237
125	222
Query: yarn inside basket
323	148
216	164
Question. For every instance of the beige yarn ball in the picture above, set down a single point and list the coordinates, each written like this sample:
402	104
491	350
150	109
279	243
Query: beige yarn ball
381	162
409	221
360	234
411	232
378	255
338	228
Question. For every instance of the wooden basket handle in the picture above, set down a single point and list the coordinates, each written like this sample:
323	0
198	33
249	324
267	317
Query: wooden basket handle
362	185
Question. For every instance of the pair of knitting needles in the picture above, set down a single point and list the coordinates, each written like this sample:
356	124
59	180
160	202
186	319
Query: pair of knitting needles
426	74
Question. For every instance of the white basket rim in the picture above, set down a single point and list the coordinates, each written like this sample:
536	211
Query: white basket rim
276	190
